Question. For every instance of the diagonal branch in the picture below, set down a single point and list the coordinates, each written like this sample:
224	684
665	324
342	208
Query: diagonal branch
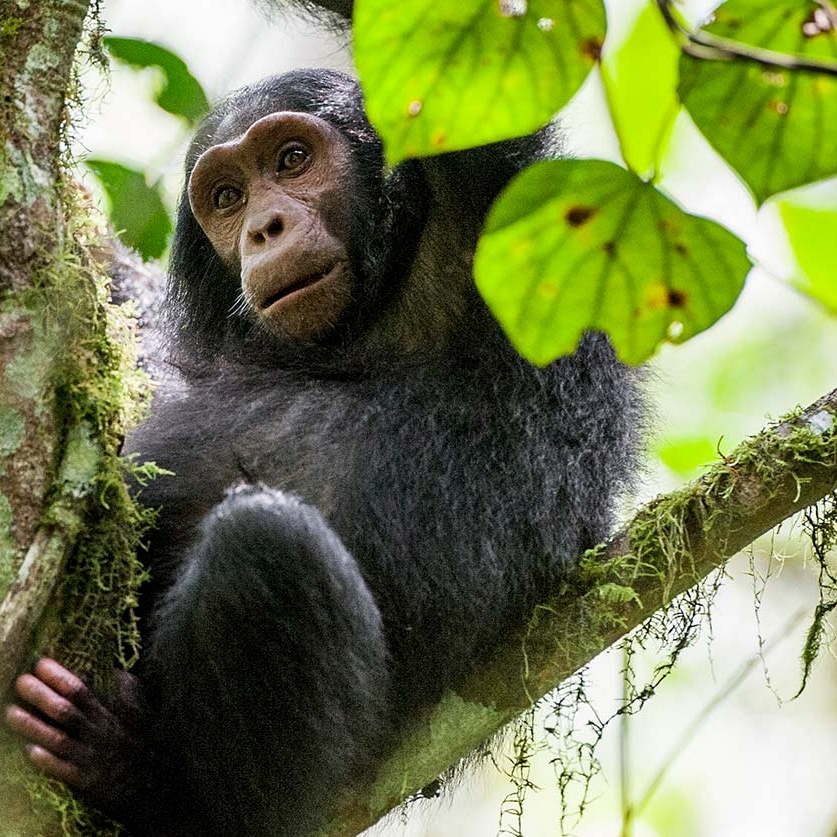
668	547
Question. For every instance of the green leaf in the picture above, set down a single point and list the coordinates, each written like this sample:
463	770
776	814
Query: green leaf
640	81
137	210
776	127
574	245
180	93
685	455
441	76
813	232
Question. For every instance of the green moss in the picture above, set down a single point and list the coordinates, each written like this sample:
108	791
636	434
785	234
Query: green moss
82	460
517	769
8	548
9	26
617	593
42	59
659	550
30	373
11	178
12	429
80	368
20	818
660	547
659	535
453	719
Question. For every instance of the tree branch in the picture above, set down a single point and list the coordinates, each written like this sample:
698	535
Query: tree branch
668	547
708	47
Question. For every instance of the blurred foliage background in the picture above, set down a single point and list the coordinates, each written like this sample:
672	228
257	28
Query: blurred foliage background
759	763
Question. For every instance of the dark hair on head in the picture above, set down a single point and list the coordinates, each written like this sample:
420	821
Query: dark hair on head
327	94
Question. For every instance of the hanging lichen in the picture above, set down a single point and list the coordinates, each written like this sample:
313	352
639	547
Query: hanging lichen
820	524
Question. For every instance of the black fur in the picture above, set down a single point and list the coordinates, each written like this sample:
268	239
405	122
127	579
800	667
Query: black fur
407	490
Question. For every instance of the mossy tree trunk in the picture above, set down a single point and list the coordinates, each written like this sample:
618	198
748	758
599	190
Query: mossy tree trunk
67	575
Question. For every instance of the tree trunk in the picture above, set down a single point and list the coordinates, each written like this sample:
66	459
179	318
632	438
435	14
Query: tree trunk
68	577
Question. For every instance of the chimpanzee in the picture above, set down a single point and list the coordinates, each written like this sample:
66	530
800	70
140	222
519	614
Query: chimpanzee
370	485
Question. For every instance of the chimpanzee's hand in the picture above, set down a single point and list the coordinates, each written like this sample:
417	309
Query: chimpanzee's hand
73	736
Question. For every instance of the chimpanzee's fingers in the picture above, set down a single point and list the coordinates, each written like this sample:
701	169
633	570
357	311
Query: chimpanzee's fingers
36	731
52	705
68	685
65	771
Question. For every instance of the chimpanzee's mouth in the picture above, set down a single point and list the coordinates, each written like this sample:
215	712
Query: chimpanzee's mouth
286	291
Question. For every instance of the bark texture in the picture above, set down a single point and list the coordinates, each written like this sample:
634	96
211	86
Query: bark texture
37	44
60	402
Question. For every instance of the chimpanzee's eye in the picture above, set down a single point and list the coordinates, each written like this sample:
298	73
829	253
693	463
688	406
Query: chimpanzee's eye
226	196
292	159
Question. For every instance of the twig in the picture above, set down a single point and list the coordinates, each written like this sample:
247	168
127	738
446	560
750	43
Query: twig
707	47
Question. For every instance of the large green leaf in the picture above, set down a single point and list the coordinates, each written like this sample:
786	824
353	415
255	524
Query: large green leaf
776	127
441	76
574	245
180	92
640	81
137	211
